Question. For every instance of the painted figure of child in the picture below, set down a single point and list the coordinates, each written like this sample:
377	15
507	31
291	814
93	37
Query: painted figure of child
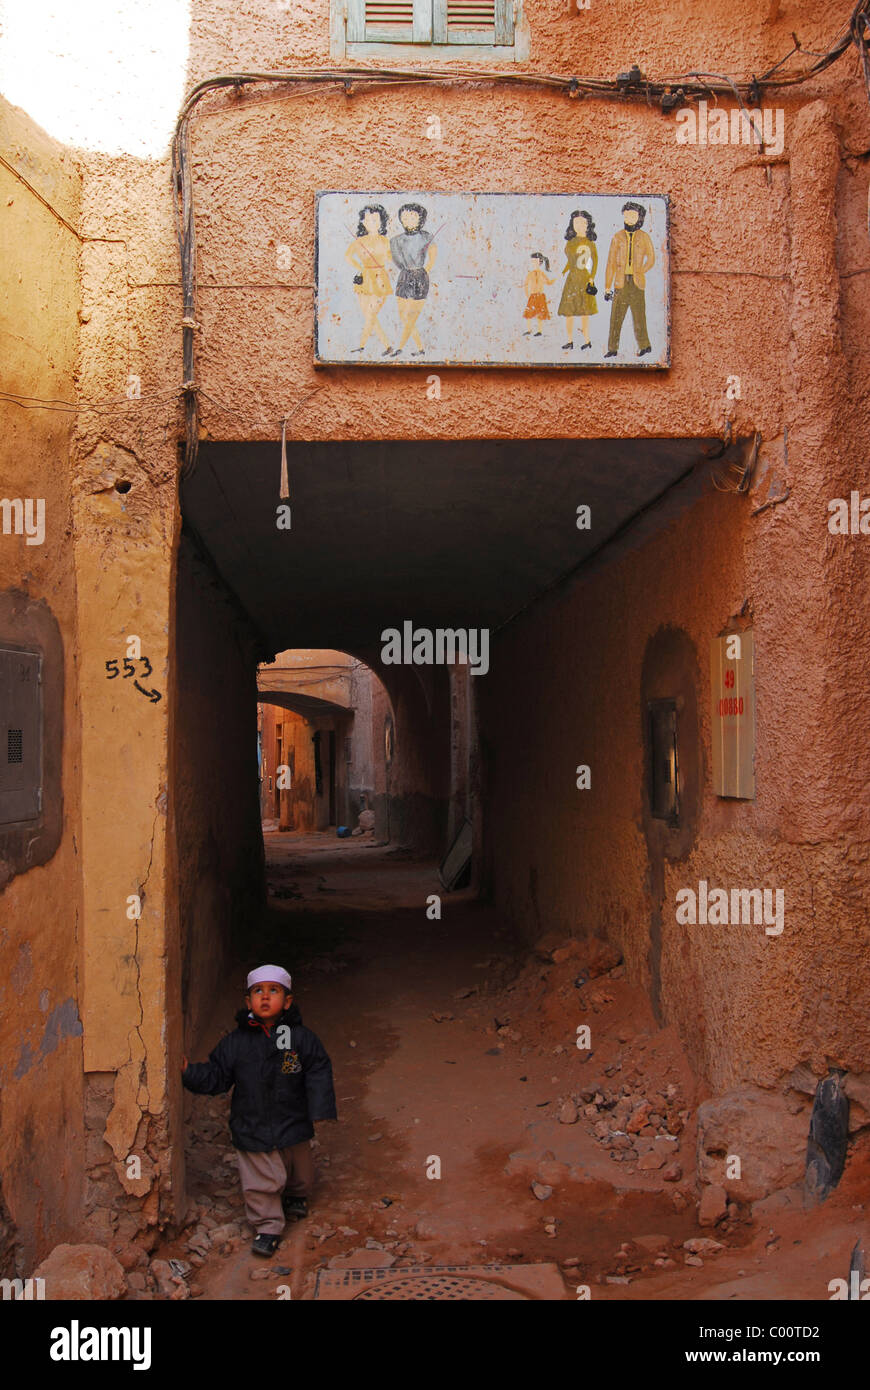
534	288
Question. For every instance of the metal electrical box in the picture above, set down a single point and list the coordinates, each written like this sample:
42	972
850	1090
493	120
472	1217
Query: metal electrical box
732	686
20	735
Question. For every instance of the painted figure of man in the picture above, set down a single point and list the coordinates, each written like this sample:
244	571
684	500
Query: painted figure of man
631	255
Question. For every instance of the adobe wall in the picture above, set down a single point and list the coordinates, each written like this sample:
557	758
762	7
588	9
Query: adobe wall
42	1145
215	811
267	719
126	532
367	768
319	672
750	1007
417	776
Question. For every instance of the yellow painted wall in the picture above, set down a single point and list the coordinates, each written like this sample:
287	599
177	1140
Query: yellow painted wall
41	911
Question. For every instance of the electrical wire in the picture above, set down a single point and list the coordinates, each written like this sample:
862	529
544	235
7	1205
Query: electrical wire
69	407
231	410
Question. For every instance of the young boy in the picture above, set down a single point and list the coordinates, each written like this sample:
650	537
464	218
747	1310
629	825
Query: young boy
282	1080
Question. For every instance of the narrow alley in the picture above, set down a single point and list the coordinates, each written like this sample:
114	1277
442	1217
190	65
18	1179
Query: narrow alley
452	1041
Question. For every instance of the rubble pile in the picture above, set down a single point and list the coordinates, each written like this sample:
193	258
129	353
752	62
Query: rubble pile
647	1252
637	1126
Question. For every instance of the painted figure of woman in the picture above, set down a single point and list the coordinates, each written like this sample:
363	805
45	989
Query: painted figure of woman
535	290
369	254
414	253
581	263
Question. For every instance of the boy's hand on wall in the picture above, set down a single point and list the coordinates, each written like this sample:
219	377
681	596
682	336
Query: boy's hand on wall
184	1064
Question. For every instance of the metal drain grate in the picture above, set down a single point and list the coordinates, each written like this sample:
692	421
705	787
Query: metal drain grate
473	1283
438	1286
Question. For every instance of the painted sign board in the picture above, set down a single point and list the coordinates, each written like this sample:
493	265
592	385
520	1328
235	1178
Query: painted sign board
492	280
732	684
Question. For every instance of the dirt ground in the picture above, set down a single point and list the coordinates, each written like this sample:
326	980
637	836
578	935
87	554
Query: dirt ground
452	1041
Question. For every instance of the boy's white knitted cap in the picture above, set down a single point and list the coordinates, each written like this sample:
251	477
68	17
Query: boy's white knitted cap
271	974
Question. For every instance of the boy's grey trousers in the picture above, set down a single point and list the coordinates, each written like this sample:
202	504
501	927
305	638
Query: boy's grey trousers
265	1176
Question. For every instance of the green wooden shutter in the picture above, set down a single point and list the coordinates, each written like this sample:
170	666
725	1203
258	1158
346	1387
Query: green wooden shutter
504	21
389	21
473	21
356	21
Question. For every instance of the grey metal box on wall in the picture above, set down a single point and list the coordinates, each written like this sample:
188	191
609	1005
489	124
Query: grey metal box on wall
20	735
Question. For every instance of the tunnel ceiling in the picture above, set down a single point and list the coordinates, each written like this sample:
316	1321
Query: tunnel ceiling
446	534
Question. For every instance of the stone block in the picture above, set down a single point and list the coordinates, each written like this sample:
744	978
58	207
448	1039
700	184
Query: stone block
81	1272
759	1129
714	1206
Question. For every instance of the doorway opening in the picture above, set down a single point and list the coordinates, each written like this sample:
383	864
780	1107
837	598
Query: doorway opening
314	703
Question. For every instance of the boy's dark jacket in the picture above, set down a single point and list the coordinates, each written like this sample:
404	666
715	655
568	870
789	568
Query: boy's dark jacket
272	1108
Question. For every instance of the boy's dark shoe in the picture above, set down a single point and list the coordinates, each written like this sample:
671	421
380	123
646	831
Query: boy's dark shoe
295	1208
265	1245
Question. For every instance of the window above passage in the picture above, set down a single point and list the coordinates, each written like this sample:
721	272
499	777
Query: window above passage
473	29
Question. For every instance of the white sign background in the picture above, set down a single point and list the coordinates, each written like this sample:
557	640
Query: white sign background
473	314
